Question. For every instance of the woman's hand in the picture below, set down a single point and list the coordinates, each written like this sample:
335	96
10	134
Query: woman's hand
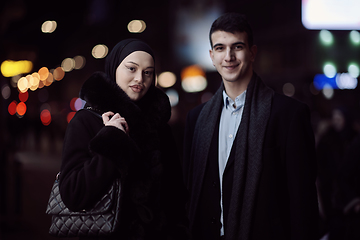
111	119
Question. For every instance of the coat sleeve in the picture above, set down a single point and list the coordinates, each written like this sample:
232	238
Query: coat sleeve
301	174
91	160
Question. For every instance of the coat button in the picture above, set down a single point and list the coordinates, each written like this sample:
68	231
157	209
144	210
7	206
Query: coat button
214	184
213	220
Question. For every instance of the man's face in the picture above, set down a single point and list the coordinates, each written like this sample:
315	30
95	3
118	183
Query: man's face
232	56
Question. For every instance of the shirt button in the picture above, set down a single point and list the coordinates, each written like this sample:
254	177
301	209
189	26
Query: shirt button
230	135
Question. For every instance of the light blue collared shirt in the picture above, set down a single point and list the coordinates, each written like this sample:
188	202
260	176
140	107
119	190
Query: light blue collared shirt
229	123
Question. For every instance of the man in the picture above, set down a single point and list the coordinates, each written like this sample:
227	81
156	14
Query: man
249	153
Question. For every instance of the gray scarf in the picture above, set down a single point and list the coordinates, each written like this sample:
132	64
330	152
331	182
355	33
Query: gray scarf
248	154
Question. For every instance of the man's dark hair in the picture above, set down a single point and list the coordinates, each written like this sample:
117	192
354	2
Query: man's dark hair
232	22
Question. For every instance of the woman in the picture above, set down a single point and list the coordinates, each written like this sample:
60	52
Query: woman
131	140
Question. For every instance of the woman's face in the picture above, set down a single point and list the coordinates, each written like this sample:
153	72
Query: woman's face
135	74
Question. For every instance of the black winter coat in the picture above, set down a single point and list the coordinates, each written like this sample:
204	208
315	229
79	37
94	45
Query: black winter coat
146	160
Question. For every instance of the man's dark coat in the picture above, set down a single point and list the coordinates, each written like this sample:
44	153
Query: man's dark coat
286	201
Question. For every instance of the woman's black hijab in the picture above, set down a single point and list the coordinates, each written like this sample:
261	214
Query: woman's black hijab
121	51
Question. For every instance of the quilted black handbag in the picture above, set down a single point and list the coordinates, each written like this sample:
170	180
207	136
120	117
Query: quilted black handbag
101	220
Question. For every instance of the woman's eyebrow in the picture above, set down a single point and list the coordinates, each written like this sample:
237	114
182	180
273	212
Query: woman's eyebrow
133	63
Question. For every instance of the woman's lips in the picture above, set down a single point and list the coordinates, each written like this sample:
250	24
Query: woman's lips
136	88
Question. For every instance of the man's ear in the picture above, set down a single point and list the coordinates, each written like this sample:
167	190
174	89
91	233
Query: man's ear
253	51
211	55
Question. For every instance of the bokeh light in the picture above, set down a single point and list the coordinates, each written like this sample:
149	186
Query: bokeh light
48	27
326	37
100	51
355	37
79	62
45	117
34	81
329	70
328	91
193	79
23	96
79	104
49	80
289	89
14	80
72	104
136	26
353	70
12	107
45	106
173	97
5	91
21	109
346	81
70	116
43	73
68	64
166	79
23	84
12	68
58	73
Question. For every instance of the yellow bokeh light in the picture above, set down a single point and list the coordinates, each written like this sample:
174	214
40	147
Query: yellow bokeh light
48	27
166	79
23	84
100	51
35	80
29	79
11	68
136	26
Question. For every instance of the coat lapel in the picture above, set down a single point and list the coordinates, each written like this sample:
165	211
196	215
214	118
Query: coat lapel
203	135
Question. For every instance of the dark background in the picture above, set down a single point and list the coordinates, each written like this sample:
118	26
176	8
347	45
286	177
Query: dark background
30	153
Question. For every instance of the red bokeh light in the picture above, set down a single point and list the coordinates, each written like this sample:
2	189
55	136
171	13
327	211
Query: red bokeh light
72	104
23	96
70	116
12	107
45	117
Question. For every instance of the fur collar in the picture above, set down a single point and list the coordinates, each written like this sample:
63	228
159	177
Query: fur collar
102	94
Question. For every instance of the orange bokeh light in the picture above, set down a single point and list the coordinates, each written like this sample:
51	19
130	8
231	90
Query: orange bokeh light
192	71
58	73
21	108
44	73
